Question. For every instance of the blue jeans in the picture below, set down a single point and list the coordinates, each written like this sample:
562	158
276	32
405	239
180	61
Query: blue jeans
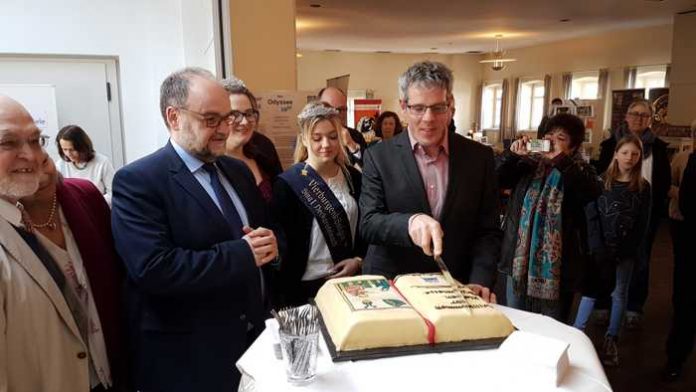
619	297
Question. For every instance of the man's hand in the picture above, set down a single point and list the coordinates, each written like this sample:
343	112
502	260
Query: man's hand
347	267
426	233
483	292
263	244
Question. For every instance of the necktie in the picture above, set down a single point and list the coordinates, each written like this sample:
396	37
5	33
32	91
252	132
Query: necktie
228	209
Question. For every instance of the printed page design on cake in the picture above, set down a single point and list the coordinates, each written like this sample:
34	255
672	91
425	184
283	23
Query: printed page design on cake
370	294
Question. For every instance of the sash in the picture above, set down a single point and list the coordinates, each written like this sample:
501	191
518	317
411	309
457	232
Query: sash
316	195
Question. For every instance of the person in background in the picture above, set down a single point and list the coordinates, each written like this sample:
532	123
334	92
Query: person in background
191	228
656	170
79	160
353	140
544	248
427	192
240	143
314	253
543	125
388	125
617	223
682	211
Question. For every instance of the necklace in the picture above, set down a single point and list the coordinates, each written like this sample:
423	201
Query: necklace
80	166
50	224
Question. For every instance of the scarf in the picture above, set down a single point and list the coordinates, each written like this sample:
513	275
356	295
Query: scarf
647	137
536	264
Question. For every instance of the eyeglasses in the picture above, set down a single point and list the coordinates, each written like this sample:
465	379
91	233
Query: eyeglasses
419	110
11	143
250	115
642	116
212	120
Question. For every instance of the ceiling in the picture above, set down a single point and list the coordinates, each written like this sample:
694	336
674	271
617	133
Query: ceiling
458	26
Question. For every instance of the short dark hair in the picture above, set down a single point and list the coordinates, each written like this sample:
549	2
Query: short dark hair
378	127
175	88
571	124
556	101
80	141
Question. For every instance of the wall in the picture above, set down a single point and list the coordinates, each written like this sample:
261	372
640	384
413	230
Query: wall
682	100
380	72
146	36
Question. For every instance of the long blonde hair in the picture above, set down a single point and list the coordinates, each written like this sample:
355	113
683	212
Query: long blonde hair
312	114
636	182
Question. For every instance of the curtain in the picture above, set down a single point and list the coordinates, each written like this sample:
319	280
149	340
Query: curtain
479	107
667	74
630	76
547	93
603	83
513	109
566	84
504	109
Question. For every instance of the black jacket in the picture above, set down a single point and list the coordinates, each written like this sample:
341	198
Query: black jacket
661	174
296	223
687	191
580	186
393	191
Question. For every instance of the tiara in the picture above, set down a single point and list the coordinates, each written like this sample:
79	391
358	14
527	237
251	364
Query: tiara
234	81
317	110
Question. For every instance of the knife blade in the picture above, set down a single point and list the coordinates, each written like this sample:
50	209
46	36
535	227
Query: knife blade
450	280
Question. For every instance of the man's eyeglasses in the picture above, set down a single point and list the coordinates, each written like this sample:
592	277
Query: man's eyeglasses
10	143
251	115
419	110
642	116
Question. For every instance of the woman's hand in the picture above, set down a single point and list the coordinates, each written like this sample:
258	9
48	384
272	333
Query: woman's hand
347	267
519	146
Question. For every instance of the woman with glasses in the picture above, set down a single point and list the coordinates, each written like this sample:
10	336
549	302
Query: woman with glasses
656	170
79	160
388	125
248	145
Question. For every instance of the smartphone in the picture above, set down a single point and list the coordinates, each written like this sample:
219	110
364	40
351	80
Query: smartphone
539	145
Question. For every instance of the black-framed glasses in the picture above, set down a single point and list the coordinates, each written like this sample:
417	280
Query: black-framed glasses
419	110
251	115
212	120
11	143
642	116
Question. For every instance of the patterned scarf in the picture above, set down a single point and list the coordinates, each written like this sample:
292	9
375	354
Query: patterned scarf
536	265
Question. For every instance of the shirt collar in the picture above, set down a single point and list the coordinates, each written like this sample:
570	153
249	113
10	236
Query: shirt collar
444	146
191	162
10	213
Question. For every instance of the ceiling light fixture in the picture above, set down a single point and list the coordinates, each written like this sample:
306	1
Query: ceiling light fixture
315	5
497	59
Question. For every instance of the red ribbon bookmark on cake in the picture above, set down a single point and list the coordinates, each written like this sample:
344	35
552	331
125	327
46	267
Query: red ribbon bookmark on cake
428	324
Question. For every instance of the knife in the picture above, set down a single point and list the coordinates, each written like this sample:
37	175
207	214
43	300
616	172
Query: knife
450	280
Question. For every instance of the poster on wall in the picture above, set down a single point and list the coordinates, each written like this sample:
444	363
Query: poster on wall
278	119
620	100
366	108
40	102
659	98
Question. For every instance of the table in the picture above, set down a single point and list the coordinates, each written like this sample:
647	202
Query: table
485	370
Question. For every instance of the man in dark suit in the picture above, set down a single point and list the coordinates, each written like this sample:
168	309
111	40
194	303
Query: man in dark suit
182	222
427	192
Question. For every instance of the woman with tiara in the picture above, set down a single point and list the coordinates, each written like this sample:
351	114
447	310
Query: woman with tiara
316	203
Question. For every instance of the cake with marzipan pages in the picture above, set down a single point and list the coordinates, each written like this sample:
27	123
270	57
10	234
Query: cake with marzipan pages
369	311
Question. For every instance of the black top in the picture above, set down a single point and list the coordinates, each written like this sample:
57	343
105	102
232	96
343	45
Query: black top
261	149
358	138
623	217
687	191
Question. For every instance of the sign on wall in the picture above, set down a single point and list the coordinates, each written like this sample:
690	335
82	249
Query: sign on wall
40	102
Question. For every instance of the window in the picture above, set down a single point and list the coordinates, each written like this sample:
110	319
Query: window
651	77
491	101
531	105
585	85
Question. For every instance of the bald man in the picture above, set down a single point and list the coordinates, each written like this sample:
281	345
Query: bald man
352	139
41	346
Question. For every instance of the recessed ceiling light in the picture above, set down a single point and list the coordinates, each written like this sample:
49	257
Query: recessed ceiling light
315	5
565	20
433	48
332	50
383	51
474	52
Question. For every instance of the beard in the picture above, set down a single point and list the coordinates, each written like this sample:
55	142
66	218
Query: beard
15	190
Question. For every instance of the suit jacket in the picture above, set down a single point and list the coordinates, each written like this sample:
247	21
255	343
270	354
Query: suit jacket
40	345
89	218
687	192
193	289
392	191
296	221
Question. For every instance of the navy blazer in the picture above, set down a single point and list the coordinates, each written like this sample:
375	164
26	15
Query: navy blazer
193	289
392	191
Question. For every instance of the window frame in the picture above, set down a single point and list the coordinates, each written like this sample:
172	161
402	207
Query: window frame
534	102
584	79
496	101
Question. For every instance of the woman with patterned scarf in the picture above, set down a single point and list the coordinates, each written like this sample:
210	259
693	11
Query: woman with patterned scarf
544	247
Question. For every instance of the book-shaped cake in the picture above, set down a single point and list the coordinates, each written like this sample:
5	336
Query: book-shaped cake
368	311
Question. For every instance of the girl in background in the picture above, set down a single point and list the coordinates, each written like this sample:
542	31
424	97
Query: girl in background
617	225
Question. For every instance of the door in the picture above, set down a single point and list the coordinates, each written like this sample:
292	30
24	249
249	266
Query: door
86	94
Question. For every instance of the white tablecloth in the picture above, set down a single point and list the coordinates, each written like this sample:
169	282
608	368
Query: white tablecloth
485	370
